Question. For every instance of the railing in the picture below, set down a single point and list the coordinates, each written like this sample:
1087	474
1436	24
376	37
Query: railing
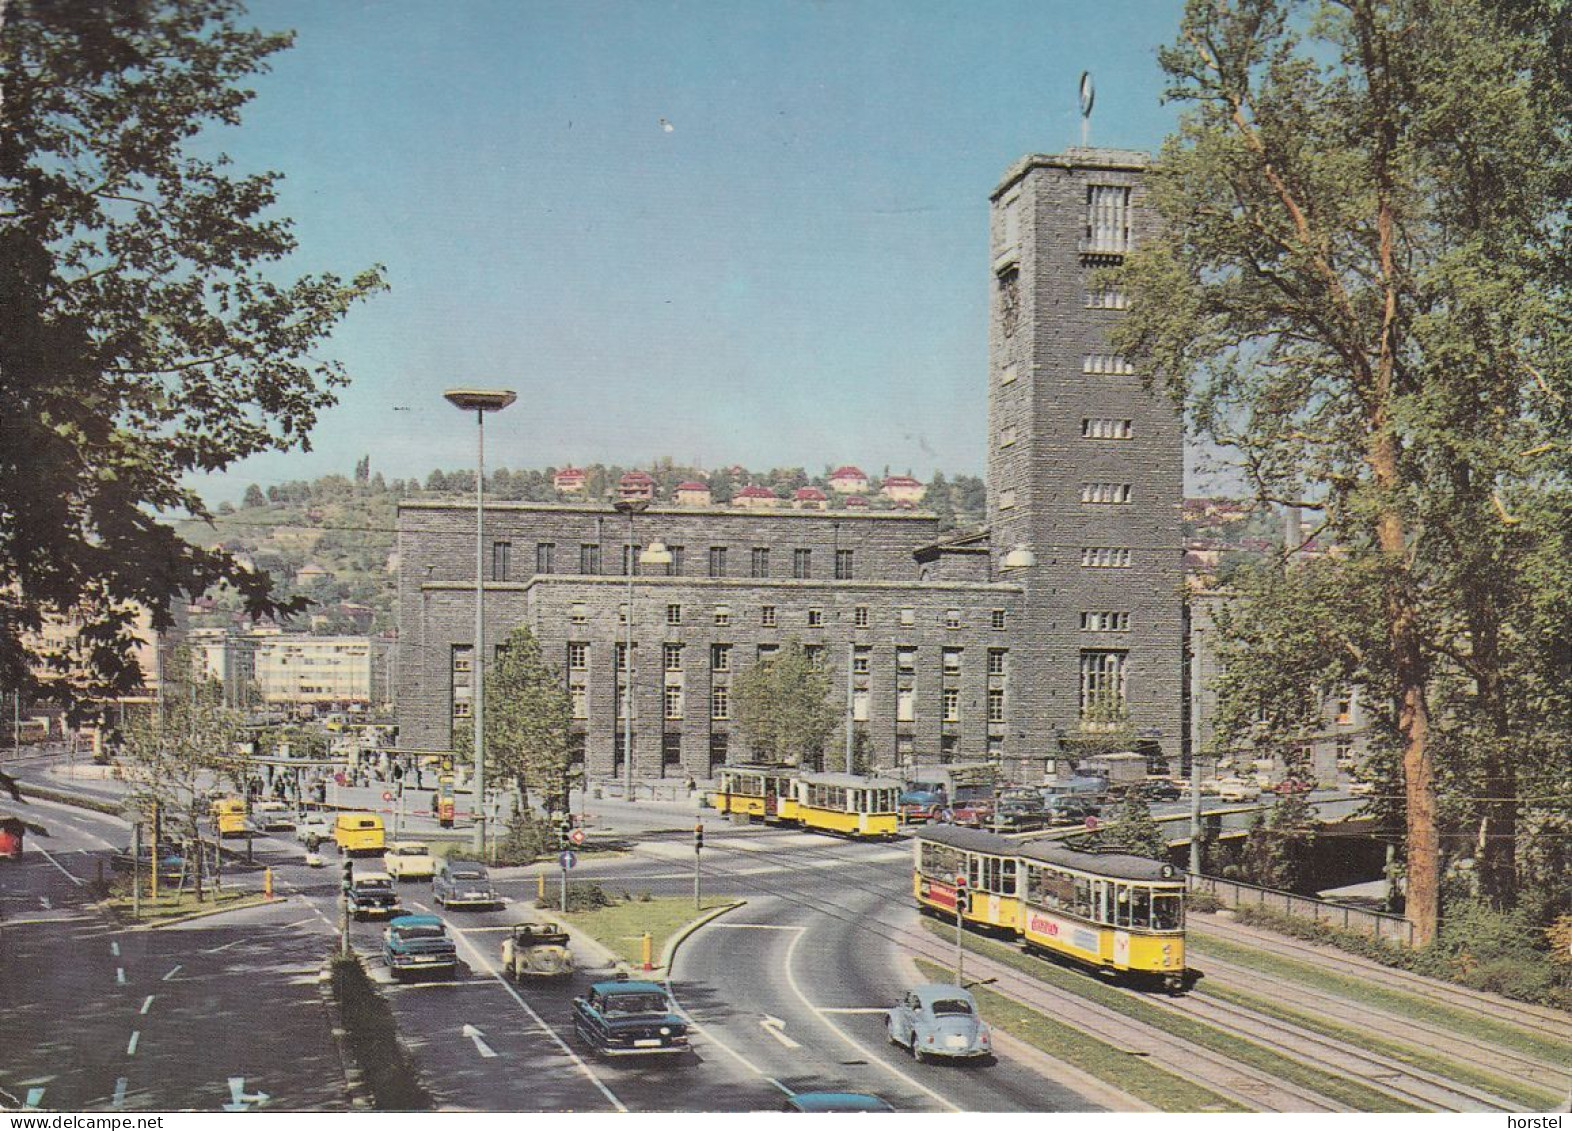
1376	924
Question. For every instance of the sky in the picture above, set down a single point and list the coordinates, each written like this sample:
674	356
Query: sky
740	231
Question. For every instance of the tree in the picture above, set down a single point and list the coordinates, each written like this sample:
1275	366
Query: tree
1133	829
529	720
254	497
183	753
1278	847
784	707
145	336
1360	290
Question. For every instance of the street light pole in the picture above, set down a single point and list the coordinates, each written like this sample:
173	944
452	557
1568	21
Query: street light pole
481	401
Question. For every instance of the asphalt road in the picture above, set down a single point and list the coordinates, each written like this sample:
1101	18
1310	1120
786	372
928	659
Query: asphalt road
99	1017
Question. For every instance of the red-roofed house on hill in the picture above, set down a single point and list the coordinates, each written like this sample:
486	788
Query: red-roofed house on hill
903	489
810	499
755	497
693	494
856	502
636	485
570	480
848	480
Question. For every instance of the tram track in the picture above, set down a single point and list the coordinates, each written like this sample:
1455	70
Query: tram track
1433	1092
1479	1054
1542	1020
1241	1083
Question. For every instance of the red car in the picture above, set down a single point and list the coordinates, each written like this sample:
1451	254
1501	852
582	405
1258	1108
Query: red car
973	814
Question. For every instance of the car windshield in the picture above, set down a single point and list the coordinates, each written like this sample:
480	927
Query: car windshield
951	1005
635	1003
412	850
468	877
374	885
420	932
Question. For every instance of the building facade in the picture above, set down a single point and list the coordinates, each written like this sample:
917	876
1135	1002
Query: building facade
1063	618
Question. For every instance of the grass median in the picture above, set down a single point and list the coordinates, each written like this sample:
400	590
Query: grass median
1368	991
371	1037
621	925
1534	1099
1352	1094
181	905
1120	1069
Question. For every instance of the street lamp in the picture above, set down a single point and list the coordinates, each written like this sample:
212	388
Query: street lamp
480	401
657	554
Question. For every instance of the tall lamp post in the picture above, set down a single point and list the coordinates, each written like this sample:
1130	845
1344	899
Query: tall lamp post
480	401
657	554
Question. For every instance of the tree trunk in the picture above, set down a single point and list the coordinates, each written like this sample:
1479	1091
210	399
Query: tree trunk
1497	851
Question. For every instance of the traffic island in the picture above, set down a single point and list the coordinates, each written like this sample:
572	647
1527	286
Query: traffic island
182	907
375	1060
620	923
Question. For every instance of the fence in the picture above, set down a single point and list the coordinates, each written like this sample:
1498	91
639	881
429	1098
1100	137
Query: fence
1377	924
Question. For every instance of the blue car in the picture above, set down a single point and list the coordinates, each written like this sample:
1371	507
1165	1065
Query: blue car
835	1102
940	1022
626	1018
418	944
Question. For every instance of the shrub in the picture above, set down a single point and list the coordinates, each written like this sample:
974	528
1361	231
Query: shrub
581	897
1203	901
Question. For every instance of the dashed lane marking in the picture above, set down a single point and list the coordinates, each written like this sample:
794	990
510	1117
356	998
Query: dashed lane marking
225	946
853	1009
172	973
147	1004
45	853
136	1035
120	975
114	949
120	1093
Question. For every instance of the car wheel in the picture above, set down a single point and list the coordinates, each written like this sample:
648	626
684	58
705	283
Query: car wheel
917	1054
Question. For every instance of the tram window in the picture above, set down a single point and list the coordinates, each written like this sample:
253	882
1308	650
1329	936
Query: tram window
1100	901
1009	877
974	871
1122	905
1167	912
1141	907
1083	898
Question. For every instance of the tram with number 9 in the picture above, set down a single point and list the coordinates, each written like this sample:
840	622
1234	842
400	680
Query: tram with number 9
1112	912
845	804
764	791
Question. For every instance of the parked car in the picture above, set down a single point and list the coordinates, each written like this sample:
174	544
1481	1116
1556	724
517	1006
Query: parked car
939	1020
920	805
1070	809
409	860
1237	789
835	1102
973	814
272	817
371	896
170	860
463	883
1022	811
1161	789
626	1018
418	943
536	950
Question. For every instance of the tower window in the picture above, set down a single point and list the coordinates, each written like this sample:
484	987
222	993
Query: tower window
1009	301
1108	219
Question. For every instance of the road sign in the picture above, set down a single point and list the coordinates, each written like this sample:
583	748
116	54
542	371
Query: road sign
960	881
576	836
1092	823
568	859
387	795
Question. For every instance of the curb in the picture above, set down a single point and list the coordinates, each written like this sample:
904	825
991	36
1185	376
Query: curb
604	955
355	1089
204	914
669	951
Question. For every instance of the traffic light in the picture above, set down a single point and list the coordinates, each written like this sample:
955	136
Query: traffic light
963	902
564	831
698	838
348	868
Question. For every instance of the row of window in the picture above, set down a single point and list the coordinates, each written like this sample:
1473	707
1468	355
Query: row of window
590	561
1105	622
769	616
720	703
1092	428
1107	228
720	657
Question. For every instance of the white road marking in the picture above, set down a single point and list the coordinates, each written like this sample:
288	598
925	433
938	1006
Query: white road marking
791	982
303	922
136	1035
239	1099
120	975
710	1037
172	973
43	901
114	949
147	1004
754	926
35	1098
226	946
474	1034
120	1093
484	963
775	1027
854	1009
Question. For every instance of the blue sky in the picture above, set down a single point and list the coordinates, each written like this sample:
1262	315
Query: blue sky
794	273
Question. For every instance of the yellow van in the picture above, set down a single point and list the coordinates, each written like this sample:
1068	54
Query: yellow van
357	833
229	816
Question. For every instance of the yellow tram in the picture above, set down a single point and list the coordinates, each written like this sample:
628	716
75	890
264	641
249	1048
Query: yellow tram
989	863
848	804
1113	912
759	790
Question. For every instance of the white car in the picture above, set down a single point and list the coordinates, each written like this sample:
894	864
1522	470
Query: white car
1237	789
272	817
313	825
409	860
